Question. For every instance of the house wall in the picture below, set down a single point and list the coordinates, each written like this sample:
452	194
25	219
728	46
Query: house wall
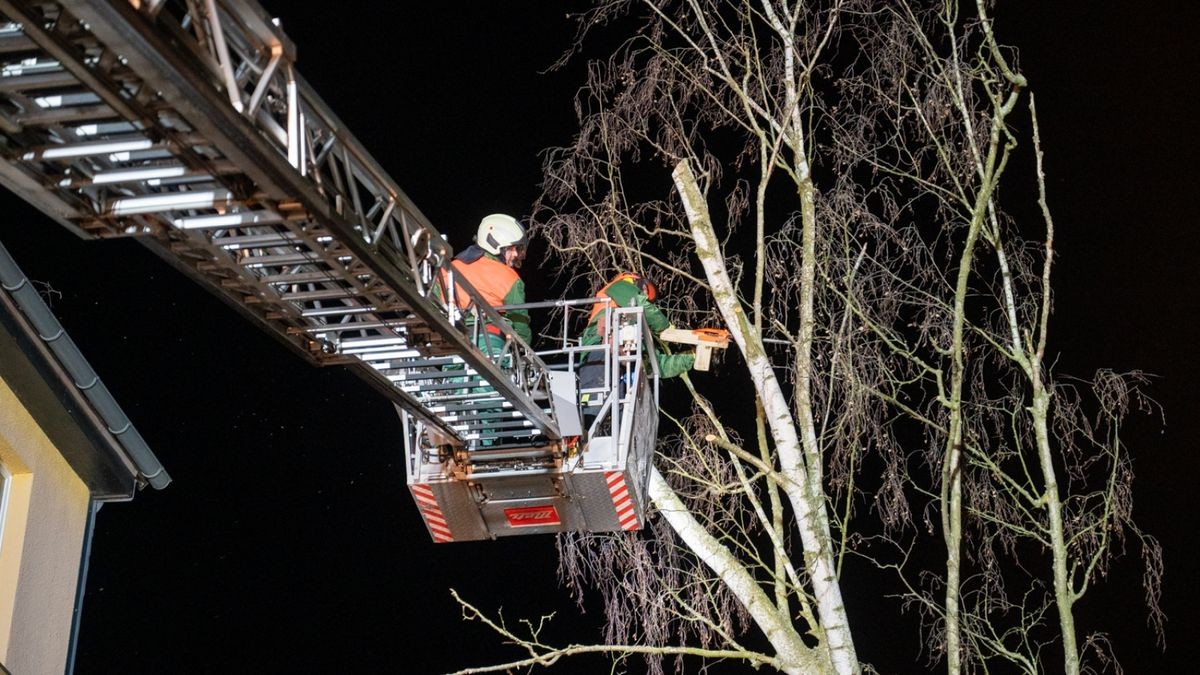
40	545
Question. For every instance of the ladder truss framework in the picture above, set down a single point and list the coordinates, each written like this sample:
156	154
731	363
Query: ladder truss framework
185	122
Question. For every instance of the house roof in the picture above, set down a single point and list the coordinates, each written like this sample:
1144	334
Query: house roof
53	380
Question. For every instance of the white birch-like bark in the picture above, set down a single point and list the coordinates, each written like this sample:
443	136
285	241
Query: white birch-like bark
778	628
806	498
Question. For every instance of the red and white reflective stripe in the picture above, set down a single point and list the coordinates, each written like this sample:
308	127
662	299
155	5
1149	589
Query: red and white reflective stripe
622	500
432	513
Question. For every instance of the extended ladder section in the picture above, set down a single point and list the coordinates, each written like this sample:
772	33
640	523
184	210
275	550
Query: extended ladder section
185	122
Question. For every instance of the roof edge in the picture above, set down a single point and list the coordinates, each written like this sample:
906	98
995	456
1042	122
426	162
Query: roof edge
76	374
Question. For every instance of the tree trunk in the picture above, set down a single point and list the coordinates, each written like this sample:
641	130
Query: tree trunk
806	499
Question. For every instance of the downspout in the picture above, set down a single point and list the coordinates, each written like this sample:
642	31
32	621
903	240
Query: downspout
81	583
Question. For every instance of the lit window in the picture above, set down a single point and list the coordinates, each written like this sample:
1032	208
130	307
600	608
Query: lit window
5	484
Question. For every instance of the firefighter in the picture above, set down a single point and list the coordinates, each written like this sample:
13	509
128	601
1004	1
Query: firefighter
624	290
490	266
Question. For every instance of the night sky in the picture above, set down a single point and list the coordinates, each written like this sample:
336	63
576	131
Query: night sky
288	542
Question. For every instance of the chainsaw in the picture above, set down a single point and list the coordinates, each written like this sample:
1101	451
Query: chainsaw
704	339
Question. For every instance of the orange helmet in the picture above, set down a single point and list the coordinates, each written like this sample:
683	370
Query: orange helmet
644	284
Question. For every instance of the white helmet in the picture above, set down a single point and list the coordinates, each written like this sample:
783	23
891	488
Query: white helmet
498	231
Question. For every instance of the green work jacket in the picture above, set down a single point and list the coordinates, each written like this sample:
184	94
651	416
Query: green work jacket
627	294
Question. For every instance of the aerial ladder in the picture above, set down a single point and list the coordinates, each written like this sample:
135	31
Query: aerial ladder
184	123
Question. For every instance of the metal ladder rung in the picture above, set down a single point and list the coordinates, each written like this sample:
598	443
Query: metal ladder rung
243	218
299	277
461	407
482	473
283	238
493	399
503	414
362	325
322	294
51	80
426	363
281	259
59	151
473	383
511	433
431	374
490	454
336	311
495	427
81	113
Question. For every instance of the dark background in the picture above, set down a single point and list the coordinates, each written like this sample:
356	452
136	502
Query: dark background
288	542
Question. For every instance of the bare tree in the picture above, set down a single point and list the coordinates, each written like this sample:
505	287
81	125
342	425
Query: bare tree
824	179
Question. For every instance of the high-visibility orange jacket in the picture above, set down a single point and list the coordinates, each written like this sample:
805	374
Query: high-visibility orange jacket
497	283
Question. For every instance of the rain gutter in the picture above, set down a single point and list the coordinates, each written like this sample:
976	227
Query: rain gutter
79	373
